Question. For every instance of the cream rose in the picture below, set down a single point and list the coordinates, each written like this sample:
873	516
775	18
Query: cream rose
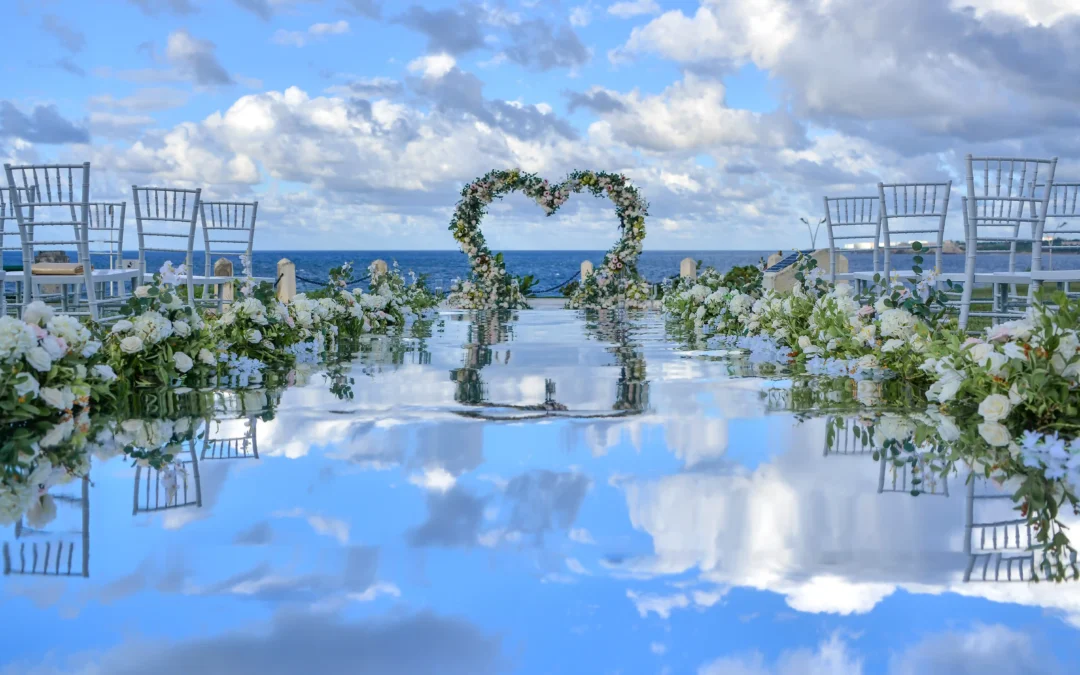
182	361
995	407
39	359
104	372
994	434
57	398
27	386
131	344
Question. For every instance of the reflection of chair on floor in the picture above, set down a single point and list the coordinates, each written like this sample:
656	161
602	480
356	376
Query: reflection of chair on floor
231	446
56	555
902	478
998	549
174	486
845	437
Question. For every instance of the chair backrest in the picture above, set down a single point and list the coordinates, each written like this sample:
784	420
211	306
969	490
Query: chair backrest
57	551
852	220
52	210
166	219
173	486
1062	219
1007	199
909	209
10	239
105	230
228	230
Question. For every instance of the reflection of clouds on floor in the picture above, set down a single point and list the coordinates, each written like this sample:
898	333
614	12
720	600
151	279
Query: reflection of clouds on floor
303	642
323	525
983	649
812	529
522	509
264	582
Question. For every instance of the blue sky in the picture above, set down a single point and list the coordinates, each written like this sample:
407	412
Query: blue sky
355	123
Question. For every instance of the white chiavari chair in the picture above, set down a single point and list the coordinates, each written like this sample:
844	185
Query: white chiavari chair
853	220
166	219
1005	212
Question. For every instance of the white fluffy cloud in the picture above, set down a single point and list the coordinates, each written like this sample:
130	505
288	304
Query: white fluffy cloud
688	116
293	38
632	8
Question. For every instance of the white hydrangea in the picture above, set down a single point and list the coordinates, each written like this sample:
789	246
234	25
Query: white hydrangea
16	339
37	313
897	323
152	327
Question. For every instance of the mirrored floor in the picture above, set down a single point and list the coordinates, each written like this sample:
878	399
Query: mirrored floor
547	492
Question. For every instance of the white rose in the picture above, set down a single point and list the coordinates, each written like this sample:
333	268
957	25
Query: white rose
947	429
183	361
995	363
207	357
1014	351
92	347
948	386
131	344
995	407
57	434
39	359
868	361
105	373
181	328
868	392
122	326
142	292
892	345
994	434
980	351
57	398
254	336
893	428
37	312
1015	397
27	387
42	511
53	346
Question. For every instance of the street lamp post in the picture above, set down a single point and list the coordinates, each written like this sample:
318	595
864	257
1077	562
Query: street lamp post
813	232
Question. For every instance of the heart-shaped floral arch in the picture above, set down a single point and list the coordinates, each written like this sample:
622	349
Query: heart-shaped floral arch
615	283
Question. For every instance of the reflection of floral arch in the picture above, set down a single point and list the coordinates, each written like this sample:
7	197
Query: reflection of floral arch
487	329
489	286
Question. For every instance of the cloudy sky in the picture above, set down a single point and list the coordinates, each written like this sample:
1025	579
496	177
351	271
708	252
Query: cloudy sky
355	123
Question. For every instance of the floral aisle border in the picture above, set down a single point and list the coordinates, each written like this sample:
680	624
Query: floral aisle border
615	283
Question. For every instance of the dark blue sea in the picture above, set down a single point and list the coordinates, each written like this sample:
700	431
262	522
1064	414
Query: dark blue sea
551	268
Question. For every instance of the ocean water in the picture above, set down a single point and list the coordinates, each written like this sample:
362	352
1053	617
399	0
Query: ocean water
551	268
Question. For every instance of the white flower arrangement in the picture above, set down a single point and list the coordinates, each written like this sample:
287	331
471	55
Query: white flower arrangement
151	345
